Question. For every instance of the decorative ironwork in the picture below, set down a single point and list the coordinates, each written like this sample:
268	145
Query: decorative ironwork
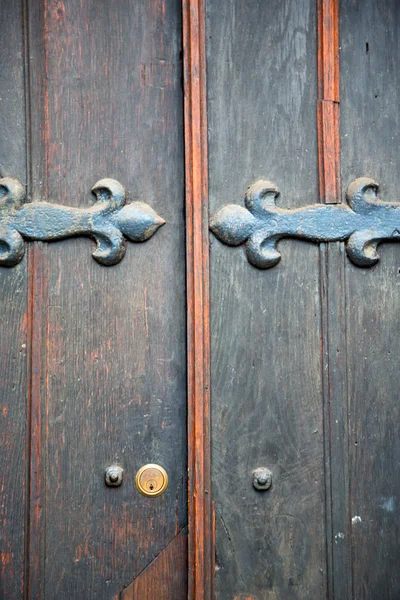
107	221
364	224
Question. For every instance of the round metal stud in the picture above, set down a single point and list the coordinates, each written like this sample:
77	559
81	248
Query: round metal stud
262	479
114	475
151	480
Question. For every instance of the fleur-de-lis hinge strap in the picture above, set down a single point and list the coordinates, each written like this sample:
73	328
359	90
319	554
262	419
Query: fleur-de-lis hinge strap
363	224
108	221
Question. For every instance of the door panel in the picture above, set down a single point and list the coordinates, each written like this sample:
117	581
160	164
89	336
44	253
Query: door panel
266	387
330	327
114	378
108	344
370	117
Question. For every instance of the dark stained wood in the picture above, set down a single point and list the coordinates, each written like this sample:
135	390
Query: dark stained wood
37	167
334	360
166	577
328	126
111	376
266	379
197	265
14	355
95	362
370	139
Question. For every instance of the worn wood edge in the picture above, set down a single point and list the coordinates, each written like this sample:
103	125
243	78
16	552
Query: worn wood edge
325	365
36	154
198	336
328	104
27	450
333	307
334	374
37	295
155	574
213	545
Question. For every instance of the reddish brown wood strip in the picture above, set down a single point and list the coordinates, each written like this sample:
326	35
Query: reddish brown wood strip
328	151
200	546
165	577
328	50
328	123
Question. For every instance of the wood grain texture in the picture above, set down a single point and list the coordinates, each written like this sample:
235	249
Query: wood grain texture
328	126
266	330
370	118
14	356
37	168
166	577
333	310
328	131
334	375
197	274
328	50
106	102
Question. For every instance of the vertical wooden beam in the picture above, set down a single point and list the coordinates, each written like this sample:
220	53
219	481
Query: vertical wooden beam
13	303
36	108
328	101
200	522
333	310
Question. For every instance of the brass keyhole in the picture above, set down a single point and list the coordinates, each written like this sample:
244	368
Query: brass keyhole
151	480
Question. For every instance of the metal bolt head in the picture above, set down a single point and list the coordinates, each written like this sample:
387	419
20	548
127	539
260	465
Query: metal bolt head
114	475
262	479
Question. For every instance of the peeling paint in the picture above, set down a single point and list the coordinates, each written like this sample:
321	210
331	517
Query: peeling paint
388	504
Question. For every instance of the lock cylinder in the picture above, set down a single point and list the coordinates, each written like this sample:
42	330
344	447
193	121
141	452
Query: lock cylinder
151	480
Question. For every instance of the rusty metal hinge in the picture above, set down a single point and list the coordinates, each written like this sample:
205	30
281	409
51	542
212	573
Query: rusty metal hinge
364	224
107	221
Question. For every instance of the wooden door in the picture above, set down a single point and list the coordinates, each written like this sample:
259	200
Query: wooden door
304	355
210	360
93	369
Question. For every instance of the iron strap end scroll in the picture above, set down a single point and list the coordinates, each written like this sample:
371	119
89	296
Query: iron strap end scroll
107	221
363	224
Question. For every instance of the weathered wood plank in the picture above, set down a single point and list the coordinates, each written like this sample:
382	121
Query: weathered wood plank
334	352
266	330
114	378
37	165
13	306
370	117
333	310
